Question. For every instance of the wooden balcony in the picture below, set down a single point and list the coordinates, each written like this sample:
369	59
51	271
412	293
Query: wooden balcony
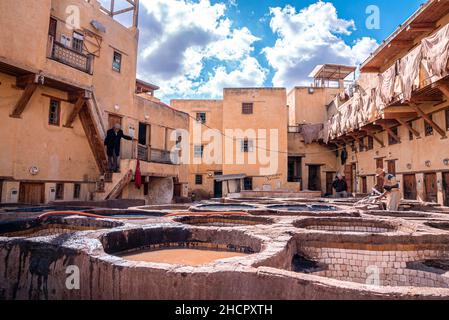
68	56
133	150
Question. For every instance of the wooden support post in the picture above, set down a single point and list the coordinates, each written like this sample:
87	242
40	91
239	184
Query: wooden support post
24	100
429	121
391	133
379	141
409	127
80	103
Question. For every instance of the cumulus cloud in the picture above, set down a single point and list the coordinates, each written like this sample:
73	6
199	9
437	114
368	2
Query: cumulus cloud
310	37
180	38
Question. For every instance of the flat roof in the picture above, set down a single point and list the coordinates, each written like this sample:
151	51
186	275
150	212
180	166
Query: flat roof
421	23
332	71
146	85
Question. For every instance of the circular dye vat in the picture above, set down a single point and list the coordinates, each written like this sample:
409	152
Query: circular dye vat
189	257
127	214
303	207
346	225
223	207
438	225
223	221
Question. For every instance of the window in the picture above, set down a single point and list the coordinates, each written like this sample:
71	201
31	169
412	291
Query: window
146	188
198	151
247	108
117	62
428	129
362	145
77	191
248	184
247	146
370	144
446	114
391	140
201	117
198	179
65	40
78	42
52	28
59	191
54	112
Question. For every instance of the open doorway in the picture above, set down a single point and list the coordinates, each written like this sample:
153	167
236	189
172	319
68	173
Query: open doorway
218	186
314	178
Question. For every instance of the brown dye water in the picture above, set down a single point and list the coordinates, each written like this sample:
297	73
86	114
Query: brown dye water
189	257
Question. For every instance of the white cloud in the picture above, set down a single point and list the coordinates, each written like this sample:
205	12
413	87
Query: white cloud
310	37
178	39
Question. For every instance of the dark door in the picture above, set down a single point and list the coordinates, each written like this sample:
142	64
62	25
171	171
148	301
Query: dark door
218	186
392	167
410	191
32	193
1	188
430	183
330	176
349	177
380	180
364	185
294	169
314	178
143	134
446	188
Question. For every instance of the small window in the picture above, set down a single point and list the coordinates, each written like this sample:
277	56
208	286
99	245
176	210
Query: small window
446	114
201	117
146	188
247	146
391	140
54	112
198	151
370	144
59	191
428	129
77	191
117	62
362	145
78	42
248	184
198	179
247	108
52	27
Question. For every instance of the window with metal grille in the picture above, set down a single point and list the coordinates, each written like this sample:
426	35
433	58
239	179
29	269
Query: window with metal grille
198	151
59	191
198	179
428	129
247	108
247	145
201	117
78	42
248	184
391	139
54	112
77	191
117	61
370	143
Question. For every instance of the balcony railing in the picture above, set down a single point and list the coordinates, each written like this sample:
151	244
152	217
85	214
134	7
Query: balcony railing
70	57
134	150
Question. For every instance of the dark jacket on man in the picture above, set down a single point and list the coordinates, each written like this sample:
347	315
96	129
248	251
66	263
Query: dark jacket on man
340	185
112	141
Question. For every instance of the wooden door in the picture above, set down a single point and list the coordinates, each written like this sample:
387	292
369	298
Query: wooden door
32	193
314	178
364	185
218	186
380	180
431	190
330	176
410	191
349	178
113	119
446	188
392	167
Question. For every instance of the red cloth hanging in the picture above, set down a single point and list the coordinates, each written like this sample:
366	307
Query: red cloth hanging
138	176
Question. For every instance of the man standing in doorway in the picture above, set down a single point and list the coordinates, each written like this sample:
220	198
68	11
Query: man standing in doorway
392	191
340	186
112	143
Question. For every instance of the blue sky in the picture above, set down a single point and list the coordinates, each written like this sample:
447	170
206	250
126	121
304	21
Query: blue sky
194	48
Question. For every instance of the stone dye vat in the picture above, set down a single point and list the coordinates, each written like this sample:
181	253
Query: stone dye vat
346	225
222	207
52	226
308	209
223	221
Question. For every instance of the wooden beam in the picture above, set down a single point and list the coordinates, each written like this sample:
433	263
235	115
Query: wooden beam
81	102
444	88
118	188
421	27
429	121
379	141
24	100
397	115
400	43
409	127
391	133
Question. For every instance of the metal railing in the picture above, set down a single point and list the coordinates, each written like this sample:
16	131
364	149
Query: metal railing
70	57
